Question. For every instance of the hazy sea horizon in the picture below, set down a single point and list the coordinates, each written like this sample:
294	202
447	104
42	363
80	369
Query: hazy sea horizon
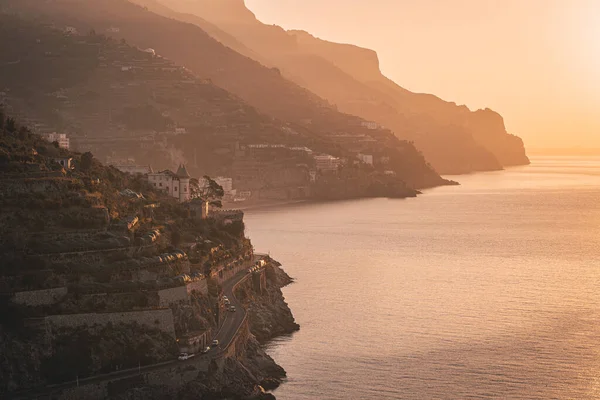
484	290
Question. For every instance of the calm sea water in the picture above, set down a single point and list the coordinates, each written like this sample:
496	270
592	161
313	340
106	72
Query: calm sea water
486	290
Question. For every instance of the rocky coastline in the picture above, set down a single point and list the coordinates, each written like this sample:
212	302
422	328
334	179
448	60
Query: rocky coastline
251	373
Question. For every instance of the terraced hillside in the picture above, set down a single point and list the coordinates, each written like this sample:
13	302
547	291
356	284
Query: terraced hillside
100	272
307	120
453	139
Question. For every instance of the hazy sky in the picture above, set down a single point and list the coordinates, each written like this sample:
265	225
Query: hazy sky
537	62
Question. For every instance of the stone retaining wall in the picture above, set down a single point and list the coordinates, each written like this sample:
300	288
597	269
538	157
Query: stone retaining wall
200	286
182	293
44	297
173	296
12	187
161	319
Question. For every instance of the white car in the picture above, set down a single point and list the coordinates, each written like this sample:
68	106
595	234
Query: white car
232	308
185	356
215	343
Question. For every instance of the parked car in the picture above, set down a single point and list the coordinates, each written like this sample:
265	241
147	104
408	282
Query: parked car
227	302
185	356
232	308
215	343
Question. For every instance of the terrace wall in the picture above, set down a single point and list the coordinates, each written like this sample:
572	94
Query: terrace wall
44	297
161	319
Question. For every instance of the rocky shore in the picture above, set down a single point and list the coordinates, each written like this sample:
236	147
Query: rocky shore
251	372
270	315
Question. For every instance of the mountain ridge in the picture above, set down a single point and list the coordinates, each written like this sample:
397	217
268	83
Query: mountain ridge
428	120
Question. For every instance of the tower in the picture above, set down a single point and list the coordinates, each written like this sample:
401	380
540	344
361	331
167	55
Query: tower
184	183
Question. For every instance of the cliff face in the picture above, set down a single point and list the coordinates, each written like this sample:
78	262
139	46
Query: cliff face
270	316
453	139
361	63
488	128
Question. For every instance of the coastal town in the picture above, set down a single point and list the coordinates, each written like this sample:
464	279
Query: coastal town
134	141
101	253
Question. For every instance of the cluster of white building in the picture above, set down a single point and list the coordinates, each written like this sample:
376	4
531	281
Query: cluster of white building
327	163
370	125
366	158
61	138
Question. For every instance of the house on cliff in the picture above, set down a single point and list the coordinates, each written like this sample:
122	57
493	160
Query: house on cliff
176	184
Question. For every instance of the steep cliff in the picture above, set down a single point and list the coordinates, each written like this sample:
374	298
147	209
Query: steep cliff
270	316
453	139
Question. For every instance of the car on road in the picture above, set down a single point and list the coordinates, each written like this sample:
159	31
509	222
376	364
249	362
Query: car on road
184	356
206	350
232	308
215	343
227	302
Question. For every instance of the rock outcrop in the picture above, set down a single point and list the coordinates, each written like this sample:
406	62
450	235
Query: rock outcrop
270	315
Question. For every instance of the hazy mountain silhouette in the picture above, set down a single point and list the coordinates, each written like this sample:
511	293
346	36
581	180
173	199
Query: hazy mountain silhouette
453	138
262	87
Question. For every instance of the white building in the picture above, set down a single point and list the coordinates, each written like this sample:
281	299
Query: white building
366	158
61	138
176	184
369	125
327	163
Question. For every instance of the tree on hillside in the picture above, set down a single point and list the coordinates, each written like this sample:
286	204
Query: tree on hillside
11	125
208	190
23	133
86	161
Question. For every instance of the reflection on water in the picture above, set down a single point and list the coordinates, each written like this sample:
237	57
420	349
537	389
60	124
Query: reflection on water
486	290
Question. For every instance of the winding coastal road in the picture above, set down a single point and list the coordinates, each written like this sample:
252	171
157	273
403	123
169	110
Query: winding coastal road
225	335
233	320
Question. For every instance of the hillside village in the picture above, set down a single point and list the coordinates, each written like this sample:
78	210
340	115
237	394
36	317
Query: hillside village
102	272
135	109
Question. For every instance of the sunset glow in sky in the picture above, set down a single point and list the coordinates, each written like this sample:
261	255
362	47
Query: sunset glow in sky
537	62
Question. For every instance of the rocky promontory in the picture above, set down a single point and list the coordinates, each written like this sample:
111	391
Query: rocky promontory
270	315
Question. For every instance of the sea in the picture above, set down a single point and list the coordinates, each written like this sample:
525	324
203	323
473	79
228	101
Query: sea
488	290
